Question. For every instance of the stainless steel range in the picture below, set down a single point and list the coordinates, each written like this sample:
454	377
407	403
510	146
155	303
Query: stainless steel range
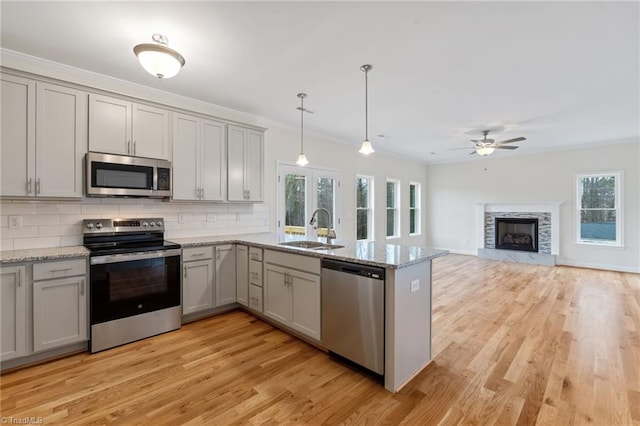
134	280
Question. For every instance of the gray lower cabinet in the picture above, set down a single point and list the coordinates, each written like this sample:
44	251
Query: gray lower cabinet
225	274
13	312
242	274
197	279
292	291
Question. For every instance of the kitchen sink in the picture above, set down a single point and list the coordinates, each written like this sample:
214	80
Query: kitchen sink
313	245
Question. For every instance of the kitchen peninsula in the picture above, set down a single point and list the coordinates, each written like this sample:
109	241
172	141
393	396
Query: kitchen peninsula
407	289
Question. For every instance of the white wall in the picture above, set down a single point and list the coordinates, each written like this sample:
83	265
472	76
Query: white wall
284	145
454	189
51	223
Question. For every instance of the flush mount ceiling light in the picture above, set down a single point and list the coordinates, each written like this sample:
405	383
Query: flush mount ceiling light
485	150
157	59
366	147
302	159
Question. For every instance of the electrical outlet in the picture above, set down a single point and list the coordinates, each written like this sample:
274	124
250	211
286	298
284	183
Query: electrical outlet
182	218
415	286
211	217
15	222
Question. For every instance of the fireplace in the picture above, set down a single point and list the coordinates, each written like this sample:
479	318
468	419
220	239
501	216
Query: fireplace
516	234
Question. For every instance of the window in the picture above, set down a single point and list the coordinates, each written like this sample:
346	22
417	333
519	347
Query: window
364	210
414	209
599	212
393	203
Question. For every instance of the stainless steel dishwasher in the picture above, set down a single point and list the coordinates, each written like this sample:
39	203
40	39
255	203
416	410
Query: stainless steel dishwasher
353	312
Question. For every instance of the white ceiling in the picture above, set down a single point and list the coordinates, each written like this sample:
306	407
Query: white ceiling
561	74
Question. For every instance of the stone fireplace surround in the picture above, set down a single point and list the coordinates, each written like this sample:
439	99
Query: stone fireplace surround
548	215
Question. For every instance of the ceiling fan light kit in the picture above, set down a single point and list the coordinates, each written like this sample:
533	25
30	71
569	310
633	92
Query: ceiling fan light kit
487	146
158	59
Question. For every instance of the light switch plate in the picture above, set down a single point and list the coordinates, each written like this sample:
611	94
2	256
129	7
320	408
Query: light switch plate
15	222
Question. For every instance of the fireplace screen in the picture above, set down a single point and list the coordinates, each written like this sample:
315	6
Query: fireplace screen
517	234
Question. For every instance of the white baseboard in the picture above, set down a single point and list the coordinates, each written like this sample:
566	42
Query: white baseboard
617	268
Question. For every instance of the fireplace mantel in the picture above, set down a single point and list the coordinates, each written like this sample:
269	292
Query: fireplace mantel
552	207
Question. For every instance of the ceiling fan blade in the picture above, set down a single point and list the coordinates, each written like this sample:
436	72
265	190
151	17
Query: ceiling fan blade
512	140
472	152
456	149
504	147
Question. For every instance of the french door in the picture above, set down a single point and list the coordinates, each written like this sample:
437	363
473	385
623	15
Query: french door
302	190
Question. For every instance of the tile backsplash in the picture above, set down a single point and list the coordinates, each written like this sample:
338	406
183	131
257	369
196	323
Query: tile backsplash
57	224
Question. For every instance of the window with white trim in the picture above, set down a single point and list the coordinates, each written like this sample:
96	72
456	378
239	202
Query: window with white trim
599	212
364	208
393	204
414	208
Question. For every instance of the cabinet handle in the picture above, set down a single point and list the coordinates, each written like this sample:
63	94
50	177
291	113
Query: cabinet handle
198	193
53	271
217	255
82	288
197	254
134	147
202	193
19	283
129	147
29	186
185	271
37	186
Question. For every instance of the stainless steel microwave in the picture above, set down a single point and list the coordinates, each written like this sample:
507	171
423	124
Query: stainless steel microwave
110	175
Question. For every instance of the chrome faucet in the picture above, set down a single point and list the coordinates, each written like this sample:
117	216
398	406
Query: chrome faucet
331	233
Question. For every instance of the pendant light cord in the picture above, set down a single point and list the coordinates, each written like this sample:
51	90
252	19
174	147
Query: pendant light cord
301	124
366	104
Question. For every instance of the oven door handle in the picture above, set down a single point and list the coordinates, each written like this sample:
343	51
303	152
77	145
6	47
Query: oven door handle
128	257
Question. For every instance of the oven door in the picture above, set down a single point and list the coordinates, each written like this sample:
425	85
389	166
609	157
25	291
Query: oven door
125	285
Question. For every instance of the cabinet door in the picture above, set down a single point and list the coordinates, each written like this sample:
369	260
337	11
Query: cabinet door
17	149
225	275
13	312
60	140
235	163
242	275
150	132
109	125
59	312
253	165
197	286
305	294
277	296
213	161
185	157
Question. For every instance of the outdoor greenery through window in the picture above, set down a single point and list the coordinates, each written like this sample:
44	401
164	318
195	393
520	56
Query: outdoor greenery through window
364	212
393	196
295	187
414	209
599	208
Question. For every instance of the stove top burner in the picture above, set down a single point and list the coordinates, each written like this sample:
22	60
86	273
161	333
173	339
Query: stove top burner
115	236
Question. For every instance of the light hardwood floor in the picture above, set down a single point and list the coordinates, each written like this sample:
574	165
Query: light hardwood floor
513	344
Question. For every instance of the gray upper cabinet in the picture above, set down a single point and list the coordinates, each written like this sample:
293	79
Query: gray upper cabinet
44	132
117	126
199	159
245	164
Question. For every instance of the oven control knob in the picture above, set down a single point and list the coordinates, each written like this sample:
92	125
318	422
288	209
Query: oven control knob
152	224
90	225
99	225
159	223
145	224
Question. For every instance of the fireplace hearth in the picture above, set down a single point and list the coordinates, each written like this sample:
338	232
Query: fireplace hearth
516	234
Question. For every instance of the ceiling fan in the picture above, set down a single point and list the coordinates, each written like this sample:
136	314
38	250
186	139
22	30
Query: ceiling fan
486	146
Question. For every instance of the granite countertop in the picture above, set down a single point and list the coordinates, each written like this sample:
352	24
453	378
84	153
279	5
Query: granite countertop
368	253
38	254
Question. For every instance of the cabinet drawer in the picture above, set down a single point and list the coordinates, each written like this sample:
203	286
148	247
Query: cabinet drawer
255	273
59	269
197	253
255	298
255	253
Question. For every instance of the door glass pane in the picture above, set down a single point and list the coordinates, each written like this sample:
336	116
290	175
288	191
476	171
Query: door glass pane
295	188
326	192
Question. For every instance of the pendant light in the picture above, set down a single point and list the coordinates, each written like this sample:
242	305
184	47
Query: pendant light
366	147
157	59
302	159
